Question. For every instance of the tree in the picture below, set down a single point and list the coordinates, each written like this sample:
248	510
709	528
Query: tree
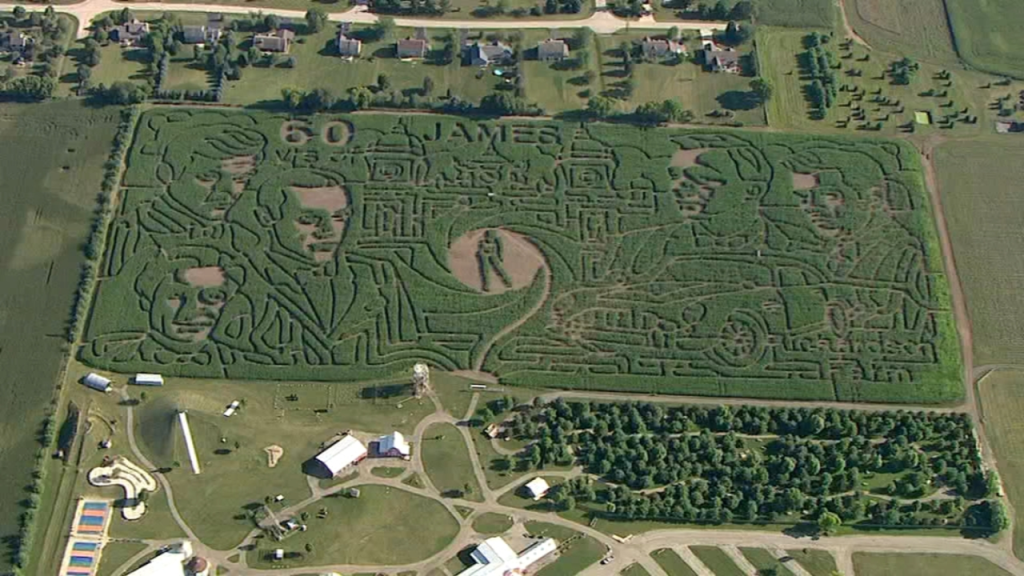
742	10
271	21
30	88
829	523
428	85
290	62
101	35
292	98
384	27
315	20
19	12
673	33
763	88
582	37
383	82
318	99
719	12
360	97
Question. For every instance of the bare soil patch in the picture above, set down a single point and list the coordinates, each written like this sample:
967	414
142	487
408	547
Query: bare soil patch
804	181
330	198
274	454
239	165
520	259
205	276
686	158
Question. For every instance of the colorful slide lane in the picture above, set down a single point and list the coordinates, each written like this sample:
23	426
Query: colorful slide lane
88	534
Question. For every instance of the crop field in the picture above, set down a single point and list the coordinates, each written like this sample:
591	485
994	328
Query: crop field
868	564
917	28
1002	396
549	254
987	34
50	173
989	250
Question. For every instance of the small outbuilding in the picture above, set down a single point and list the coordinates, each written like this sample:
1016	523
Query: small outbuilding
393	445
97	382
537	488
149	379
344	453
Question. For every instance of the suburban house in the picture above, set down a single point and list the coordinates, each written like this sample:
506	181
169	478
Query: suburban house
722	60
277	41
655	48
393	445
130	33
16	41
348	46
412	48
209	34
552	49
339	456
484	54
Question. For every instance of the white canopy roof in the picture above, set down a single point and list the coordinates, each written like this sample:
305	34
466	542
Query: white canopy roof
495	558
393	440
342	454
537	487
170	563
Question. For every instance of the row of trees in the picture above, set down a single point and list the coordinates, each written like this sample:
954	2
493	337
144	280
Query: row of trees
819	66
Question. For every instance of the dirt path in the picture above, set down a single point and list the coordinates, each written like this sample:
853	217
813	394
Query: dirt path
546	270
850	32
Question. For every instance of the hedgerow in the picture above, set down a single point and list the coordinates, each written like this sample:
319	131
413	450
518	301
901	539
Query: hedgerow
671	261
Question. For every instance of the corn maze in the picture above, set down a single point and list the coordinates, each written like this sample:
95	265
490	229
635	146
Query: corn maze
252	245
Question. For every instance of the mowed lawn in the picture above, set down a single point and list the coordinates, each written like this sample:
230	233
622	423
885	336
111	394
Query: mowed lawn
234	478
988	34
384	525
318	66
447	462
492	523
765	562
717	561
866	564
697	89
816	562
115	554
917	28
672	563
582	552
50	173
1002	399
980	187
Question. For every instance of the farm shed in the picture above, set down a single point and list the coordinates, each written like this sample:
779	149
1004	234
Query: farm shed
494	557
340	455
149	379
393	445
97	382
537	488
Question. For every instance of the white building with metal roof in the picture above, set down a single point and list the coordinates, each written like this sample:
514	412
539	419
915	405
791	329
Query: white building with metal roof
394	445
495	558
171	562
342	454
537	488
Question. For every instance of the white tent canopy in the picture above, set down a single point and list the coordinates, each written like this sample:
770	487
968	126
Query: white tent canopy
342	454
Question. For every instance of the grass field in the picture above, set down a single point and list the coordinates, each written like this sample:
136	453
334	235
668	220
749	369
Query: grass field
866	564
980	195
1002	399
387	471
795	13
765	563
116	554
530	331
581	553
447	463
780	61
232	478
51	168
635	570
318	67
987	35
383	526
716	560
916	28
490	523
816	562
698	90
672	563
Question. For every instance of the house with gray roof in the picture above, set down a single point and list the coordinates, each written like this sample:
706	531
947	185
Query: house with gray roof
412	48
348	46
657	48
277	41
209	34
727	61
130	33
16	41
487	53
552	49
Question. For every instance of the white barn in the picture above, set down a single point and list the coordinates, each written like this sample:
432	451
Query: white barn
495	558
342	454
97	382
149	379
537	488
169	563
393	445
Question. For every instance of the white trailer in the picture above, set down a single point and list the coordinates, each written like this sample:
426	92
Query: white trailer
149	380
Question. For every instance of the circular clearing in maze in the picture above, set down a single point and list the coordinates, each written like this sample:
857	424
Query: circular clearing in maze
492	260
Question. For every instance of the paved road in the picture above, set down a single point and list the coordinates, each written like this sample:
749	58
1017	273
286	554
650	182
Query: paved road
600	22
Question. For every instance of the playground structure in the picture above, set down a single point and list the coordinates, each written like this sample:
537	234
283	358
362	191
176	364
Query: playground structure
133	479
420	379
